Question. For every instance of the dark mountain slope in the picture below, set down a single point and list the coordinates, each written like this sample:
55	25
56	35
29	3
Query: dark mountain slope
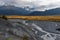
47	12
11	10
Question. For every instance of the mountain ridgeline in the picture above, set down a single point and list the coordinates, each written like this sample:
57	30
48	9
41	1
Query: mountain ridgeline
47	12
12	10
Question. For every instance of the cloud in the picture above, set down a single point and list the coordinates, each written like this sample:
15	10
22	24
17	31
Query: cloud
37	5
6	2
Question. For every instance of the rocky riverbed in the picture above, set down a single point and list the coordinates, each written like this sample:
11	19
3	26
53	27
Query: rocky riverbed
18	29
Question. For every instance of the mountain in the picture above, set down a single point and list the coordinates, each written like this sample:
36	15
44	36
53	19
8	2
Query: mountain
47	12
53	11
36	13
12	10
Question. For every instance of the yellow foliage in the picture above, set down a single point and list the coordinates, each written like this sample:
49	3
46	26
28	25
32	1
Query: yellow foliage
40	18
25	37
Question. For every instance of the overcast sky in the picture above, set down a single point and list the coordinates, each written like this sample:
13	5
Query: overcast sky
39	5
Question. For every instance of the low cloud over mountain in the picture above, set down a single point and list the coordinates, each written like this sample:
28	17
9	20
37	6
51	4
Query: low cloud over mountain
37	5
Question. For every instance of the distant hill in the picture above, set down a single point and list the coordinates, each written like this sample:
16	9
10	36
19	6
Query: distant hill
36	13
47	12
12	10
